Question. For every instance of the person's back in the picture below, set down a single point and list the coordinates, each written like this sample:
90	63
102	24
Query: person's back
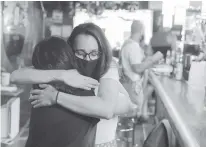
56	126
132	56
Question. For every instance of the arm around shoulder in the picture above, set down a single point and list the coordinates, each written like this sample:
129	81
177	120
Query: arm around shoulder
30	75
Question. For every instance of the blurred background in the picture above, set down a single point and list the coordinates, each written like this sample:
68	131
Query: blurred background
24	23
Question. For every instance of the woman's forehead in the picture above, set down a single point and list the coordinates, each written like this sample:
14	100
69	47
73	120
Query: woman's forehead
85	42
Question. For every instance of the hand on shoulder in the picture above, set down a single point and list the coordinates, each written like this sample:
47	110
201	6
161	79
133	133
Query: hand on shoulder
73	78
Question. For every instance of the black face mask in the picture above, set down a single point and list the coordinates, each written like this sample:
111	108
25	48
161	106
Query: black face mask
85	67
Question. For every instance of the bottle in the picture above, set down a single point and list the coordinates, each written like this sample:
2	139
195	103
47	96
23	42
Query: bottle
177	55
175	60
179	68
168	58
205	100
173	57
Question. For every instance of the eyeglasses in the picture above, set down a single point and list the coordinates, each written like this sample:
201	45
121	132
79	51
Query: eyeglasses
92	55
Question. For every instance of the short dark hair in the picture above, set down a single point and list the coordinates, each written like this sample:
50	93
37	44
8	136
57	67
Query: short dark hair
103	43
53	53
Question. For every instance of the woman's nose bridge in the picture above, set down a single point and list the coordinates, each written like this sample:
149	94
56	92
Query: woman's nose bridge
87	57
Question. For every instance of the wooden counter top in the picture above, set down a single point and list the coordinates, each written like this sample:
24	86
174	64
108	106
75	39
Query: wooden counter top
185	106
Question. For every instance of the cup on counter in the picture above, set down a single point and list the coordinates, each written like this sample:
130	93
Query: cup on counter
5	79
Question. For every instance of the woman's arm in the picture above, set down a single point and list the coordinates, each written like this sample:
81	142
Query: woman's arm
69	77
33	76
124	104
105	105
112	100
101	106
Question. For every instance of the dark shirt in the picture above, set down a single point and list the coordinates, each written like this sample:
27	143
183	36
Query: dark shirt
55	126
162	49
160	39
159	42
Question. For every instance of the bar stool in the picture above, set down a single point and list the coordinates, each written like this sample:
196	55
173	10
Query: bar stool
126	129
127	124
161	136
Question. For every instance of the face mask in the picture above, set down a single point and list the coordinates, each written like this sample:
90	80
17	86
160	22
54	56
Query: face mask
85	67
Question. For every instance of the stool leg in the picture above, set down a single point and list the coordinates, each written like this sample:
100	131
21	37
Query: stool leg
133	134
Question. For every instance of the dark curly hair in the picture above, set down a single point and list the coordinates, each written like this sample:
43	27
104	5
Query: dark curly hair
54	53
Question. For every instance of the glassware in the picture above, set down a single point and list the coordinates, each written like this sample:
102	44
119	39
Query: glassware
168	58
205	100
179	65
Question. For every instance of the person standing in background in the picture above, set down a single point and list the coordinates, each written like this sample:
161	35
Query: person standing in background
132	66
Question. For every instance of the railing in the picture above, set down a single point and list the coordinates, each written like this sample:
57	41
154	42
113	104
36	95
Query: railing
182	129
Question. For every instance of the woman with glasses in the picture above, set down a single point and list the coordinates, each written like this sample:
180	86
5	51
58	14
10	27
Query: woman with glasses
51	126
94	59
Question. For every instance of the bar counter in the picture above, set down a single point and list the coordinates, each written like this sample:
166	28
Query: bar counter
184	106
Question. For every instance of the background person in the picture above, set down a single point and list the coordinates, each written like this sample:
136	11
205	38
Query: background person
132	64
